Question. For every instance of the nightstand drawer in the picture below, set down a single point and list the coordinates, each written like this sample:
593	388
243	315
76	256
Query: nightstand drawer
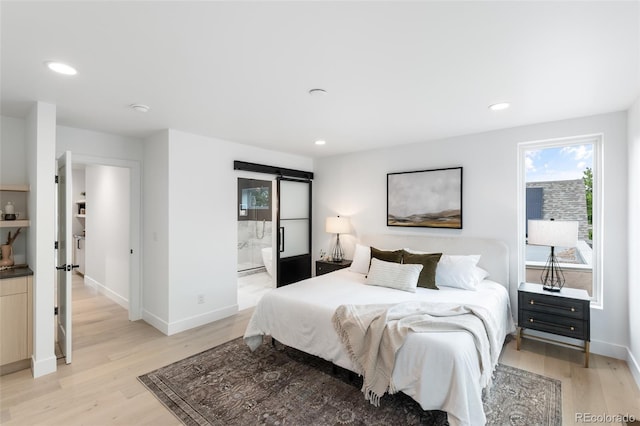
324	267
563	326
553	305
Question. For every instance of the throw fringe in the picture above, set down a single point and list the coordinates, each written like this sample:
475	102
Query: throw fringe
337	319
372	397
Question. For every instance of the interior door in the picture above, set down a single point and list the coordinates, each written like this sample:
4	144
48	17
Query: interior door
294	230
65	254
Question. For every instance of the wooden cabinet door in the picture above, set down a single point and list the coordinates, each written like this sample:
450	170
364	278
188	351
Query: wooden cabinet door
13	328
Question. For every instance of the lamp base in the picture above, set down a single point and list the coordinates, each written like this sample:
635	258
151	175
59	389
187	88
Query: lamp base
552	276
337	255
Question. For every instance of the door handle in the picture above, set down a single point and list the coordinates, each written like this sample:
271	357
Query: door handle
281	239
66	267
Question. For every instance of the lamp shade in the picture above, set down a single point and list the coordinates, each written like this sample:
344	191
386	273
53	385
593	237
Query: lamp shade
337	225
554	233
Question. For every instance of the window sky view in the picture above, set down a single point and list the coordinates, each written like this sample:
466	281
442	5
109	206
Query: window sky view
558	163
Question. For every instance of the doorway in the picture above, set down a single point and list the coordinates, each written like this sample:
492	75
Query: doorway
105	210
255	265
101	244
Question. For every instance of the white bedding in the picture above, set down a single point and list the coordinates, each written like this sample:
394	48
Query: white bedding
440	370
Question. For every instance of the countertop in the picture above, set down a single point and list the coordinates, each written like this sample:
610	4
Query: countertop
15	273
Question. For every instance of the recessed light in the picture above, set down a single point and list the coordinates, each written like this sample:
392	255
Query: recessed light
320	142
61	68
140	107
317	92
499	106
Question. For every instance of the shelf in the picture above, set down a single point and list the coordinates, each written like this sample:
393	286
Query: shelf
81	201
15	188
81	216
14	223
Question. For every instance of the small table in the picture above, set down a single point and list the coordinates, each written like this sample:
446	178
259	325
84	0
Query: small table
564	313
326	266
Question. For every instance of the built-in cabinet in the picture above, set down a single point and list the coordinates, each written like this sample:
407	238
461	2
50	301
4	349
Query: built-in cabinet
81	206
16	285
16	316
17	195
79	240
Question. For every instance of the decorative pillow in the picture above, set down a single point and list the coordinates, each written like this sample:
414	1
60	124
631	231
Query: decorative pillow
429	264
458	272
394	275
387	256
361	259
480	274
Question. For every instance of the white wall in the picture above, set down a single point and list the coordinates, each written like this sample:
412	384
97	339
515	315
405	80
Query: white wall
13	151
98	144
41	142
155	240
354	185
201	205
634	239
107	231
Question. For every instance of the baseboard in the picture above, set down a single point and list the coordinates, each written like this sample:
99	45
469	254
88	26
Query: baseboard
633	366
155	322
44	366
201	319
595	346
107	292
609	349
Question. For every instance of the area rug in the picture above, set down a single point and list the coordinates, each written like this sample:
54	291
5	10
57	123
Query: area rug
229	385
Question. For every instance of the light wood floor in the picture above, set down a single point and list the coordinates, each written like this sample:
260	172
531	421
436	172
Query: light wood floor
100	386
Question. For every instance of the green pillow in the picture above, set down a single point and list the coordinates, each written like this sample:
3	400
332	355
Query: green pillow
429	264
387	256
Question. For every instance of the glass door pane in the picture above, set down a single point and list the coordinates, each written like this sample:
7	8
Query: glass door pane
294	230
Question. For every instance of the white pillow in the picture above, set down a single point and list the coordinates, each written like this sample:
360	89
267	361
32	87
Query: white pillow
361	259
394	275
480	274
459	272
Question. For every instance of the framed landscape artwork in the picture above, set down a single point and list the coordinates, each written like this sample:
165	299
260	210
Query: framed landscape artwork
426	199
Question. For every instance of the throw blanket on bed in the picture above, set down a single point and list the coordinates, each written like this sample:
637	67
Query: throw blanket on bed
372	334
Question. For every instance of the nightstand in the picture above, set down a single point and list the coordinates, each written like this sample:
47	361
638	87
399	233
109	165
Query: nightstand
564	313
326	266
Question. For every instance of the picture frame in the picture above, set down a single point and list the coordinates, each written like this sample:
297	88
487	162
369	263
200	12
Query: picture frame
425	198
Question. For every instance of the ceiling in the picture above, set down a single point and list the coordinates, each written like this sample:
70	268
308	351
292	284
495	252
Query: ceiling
394	72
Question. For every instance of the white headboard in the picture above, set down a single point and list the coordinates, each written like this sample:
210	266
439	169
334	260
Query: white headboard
494	253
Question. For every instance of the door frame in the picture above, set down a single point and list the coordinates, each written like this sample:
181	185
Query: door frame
135	232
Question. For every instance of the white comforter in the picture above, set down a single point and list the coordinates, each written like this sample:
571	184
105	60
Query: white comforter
439	370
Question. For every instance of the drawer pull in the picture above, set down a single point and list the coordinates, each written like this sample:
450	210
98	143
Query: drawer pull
531	320
532	302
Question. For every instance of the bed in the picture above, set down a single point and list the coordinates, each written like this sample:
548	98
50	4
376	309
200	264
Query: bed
439	370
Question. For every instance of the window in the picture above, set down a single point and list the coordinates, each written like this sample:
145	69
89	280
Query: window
560	179
254	199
